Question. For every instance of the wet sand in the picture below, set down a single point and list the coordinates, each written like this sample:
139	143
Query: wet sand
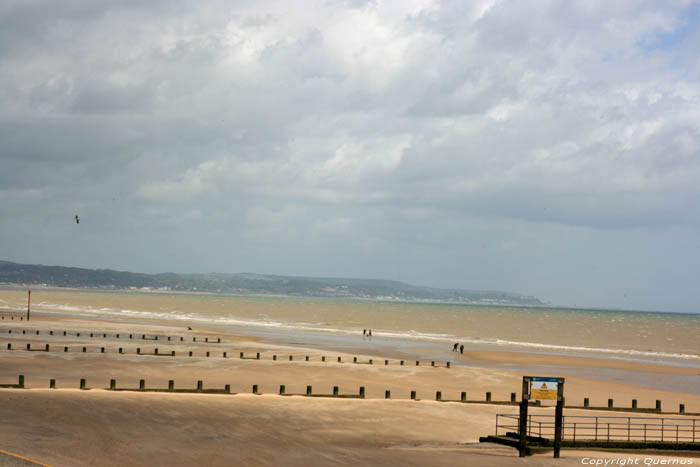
98	427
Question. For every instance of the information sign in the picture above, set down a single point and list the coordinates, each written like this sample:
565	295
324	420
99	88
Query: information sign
543	389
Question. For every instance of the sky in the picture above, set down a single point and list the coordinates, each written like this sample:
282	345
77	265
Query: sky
549	148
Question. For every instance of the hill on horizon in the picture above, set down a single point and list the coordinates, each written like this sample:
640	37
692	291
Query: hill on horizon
249	283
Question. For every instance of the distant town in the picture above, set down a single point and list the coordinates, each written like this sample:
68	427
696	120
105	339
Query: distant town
250	284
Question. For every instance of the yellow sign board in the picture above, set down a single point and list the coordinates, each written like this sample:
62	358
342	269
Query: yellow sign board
543	390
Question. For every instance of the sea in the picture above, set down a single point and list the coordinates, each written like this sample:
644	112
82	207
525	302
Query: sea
659	337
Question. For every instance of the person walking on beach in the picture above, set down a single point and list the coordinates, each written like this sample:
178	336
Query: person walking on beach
364	332
461	349
454	348
369	333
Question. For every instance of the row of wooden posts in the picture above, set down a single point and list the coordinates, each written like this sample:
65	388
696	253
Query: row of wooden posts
131	336
47	347
336	393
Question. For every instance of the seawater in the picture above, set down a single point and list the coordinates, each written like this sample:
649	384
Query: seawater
633	335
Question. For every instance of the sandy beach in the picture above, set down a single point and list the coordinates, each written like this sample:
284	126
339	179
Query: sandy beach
66	426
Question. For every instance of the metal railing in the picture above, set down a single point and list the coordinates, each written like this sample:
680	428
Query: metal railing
581	427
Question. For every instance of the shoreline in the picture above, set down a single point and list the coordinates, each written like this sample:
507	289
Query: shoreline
399	339
676	377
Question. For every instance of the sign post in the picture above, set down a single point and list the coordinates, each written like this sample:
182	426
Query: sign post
542	388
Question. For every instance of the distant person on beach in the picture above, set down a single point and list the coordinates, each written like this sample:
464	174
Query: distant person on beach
364	332
369	333
461	349
454	348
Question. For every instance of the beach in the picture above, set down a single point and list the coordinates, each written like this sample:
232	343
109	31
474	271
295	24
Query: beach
96	426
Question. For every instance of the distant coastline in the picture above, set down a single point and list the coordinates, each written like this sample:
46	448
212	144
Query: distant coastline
15	274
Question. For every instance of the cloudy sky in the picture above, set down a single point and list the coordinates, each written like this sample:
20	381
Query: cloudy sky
547	148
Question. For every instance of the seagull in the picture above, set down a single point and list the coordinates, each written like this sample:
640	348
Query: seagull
77	219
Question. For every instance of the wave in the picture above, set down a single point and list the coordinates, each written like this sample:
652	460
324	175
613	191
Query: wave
388	334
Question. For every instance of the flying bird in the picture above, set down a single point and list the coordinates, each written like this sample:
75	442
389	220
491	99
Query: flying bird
77	219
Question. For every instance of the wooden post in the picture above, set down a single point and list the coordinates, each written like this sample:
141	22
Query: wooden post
488	397
362	392
9	346
387	394
417	363
29	346
282	389
634	403
65	349
200	386
463	396
20	381
432	363
255	389
559	418
274	357
658	405
681	408
448	364
354	359
120	350
308	390
338	359
307	358
82	383
438	396
335	390
52	384
323	358
102	350
190	353
370	362
401	363
291	358
586	402
227	389
138	350
218	340
610	403
84	349
142	384
224	354
413	395
522	422
172	353
206	339
386	362
207	354
171	385
112	384
512	397
155	352
257	355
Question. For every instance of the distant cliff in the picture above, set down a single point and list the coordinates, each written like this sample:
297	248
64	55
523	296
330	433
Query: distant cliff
59	276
